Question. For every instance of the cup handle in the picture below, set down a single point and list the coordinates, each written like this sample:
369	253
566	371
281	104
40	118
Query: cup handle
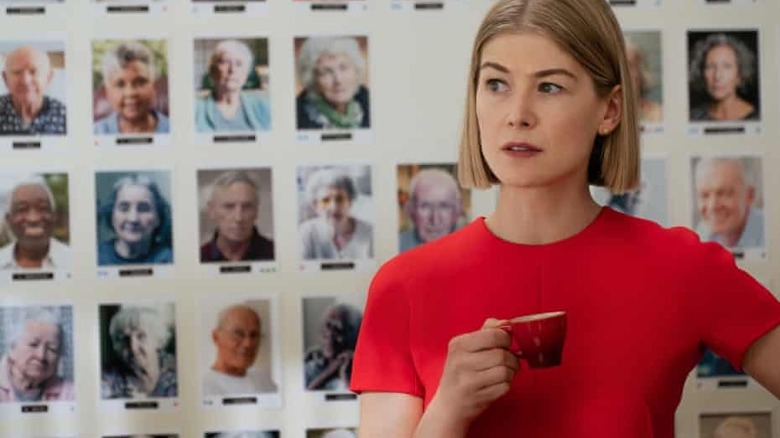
514	346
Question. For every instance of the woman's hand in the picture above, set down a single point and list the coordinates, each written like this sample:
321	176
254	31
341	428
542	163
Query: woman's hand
478	370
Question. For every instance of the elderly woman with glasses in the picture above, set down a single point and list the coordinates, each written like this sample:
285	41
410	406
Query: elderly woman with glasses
229	107
332	72
334	233
129	74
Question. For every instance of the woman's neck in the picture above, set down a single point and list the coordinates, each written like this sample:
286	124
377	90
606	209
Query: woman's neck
144	124
23	385
132	251
730	108
541	215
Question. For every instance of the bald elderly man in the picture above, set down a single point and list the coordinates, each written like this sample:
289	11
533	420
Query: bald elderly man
26	110
725	203
237	339
434	207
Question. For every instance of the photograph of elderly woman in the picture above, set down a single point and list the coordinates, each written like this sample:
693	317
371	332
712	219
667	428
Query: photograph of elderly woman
336	213
332	82
231	85
134	219
723	76
33	95
330	331
643	49
130	87
736	425
35	230
37	354
138	351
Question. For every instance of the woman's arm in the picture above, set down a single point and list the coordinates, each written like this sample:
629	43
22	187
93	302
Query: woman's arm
762	359
389	415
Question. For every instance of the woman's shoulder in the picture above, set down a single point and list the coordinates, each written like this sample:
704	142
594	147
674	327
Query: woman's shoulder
106	125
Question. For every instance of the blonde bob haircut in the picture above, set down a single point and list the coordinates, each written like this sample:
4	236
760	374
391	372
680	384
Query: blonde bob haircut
589	32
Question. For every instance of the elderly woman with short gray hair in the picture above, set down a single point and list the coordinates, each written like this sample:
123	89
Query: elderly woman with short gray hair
29	368
129	74
332	71
228	107
334	233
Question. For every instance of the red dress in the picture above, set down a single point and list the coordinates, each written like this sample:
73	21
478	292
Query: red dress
642	303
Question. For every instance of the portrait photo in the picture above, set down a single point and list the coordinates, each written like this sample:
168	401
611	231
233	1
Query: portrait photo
723	76
138	351
649	200
33	93
336	212
143	435
728	200
37	354
35	231
236	215
330	330
134	218
431	203
238	345
643	49
712	365
244	434
332	433
736	425
332	83
231	78
130	87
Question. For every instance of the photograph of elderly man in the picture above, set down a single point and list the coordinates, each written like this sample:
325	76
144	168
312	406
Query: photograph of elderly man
37	361
231	85
729	201
335	217
130	87
32	95
138	351
36	217
431	203
237	338
723	76
736	425
332	83
232	214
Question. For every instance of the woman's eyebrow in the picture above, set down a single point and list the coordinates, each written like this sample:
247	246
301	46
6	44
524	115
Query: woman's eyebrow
494	65
538	74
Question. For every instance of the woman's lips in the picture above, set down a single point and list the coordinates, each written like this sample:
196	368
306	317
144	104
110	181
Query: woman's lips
518	149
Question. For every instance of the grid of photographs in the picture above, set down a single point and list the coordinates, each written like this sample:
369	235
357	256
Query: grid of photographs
206	202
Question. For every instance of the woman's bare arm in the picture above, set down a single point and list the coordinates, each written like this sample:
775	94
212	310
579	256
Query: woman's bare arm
389	415
762	359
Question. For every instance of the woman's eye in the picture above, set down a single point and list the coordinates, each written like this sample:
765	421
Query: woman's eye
495	85
550	88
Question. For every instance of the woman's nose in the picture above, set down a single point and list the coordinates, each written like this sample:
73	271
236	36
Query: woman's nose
521	114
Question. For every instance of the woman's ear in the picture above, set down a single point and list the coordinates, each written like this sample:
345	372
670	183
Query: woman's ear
613	111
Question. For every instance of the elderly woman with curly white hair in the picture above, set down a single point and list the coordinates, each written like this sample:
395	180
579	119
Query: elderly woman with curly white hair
332	71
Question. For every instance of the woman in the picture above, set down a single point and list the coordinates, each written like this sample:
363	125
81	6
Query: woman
29	369
228	107
334	233
649	109
142	367
128	79
722	70
332	72
550	108
139	218
329	365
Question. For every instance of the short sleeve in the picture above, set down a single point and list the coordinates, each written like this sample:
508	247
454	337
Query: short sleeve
736	309
383	358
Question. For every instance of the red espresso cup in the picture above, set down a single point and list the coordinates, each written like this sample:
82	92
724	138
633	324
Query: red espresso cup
538	338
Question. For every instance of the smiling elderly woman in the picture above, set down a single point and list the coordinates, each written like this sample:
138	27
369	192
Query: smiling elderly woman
139	218
332	72
128	78
28	371
229	107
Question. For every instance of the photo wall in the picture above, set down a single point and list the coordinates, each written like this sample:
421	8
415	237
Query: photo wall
196	194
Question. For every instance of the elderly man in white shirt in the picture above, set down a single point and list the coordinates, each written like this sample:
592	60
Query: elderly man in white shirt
30	215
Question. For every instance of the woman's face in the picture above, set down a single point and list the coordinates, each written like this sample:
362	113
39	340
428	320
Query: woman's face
538	112
336	78
721	72
231	71
135	216
138	349
333	204
37	352
130	91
